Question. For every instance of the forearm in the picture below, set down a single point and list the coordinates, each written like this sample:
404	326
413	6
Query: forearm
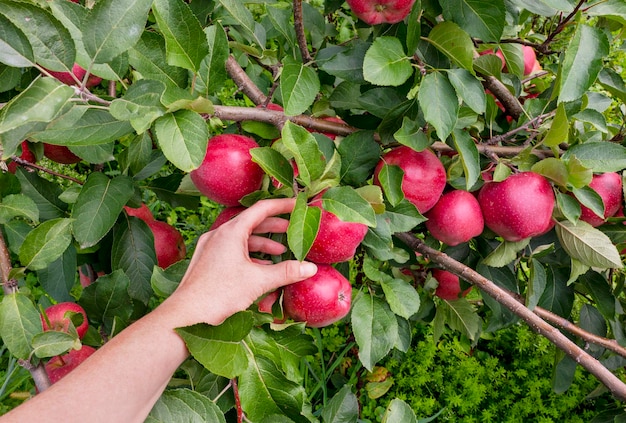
120	382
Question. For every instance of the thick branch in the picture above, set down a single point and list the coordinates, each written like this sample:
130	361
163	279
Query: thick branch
614	384
508	100
243	82
8	285
300	36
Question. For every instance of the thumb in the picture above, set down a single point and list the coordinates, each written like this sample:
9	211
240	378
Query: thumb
291	271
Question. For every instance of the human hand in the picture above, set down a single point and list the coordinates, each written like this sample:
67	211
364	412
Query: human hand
223	279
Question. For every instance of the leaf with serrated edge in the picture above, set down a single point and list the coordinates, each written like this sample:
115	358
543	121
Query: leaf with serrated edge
346	203
173	404
18	205
399	411
505	253
46	243
304	224
462	317
15	49
183	137
52	343
19	322
306	152
587	244
402	297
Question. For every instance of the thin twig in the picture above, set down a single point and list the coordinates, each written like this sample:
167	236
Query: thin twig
612	382
300	35
27	164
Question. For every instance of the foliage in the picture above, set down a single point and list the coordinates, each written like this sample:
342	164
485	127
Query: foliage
424	82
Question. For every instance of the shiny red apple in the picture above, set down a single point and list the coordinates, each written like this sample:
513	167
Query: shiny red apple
609	188
227	172
336	240
58	316
374	12
79	73
456	218
320	300
225	215
449	287
58	367
168	243
142	212
60	154
424	176
26	155
518	207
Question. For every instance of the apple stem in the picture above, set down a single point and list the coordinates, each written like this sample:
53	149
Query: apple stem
240	415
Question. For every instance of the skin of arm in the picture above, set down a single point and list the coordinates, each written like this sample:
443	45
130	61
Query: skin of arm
125	377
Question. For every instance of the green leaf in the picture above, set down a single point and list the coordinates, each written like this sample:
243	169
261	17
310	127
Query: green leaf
552	168
304	224
307	154
220	348
469	89
402	297
18	205
359	155
399	411
344	62
46	243
588	245
600	156
265	391
386	63
343	407
505	253
559	130
108	301
83	126
185	42
44	193
19	323
133	251
9	76
403	217
600	291
51	42
470	158
299	85
274	164
185	405
40	102
613	83
183	137
212	73
461	316
346	203
589	198
98	205
141	104
587	50
52	343
375	328
480	19
536	284
244	21
59	277
412	135
455	43
15	49
113	27
390	178
165	281
441	114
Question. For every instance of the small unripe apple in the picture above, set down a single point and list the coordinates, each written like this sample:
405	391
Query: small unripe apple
336	240
60	154
142	212
456	218
424	176
58	367
320	300
449	287
26	155
609	188
59	318
518	207
374	12
168	243
227	172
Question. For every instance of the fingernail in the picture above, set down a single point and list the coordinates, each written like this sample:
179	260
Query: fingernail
307	269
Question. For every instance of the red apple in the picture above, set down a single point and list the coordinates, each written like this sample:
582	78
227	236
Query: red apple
320	300
518	207
142	212
59	366
374	12
168	243
60	154
59	318
227	172
531	65
609	187
497	53
424	176
336	240
266	304
80	73
85	279
225	215
449	287
26	155
456	218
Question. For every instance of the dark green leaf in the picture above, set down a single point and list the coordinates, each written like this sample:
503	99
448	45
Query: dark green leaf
465	146
15	49
359	155
505	253
212	73
441	114
345	62
589	198
557	297
343	407
402	297
600	291
599	156
307	154
18	205
186	44
536	284
59	277
480	19
185	404
274	164
299	85
455	43
44	193
108	301
46	243
244	21
390	178
469	89
98	205
141	104
183	137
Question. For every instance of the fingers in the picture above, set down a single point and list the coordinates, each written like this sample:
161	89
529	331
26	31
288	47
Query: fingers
272	225
289	271
261	244
252	217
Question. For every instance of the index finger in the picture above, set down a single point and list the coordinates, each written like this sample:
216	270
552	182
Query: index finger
253	216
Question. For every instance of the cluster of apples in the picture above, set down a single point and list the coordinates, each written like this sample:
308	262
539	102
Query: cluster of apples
58	318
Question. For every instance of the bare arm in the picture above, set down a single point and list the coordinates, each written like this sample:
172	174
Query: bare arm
123	379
